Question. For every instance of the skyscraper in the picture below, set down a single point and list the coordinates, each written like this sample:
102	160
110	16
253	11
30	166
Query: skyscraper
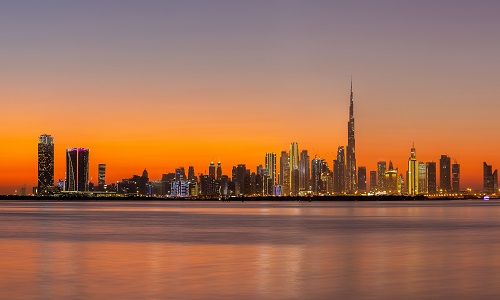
316	165
211	170
219	170
304	171
240	186
339	172
373	181
391	180
455	177
431	177
381	168
422	176
45	163
101	176
294	168
350	174
77	169
271	166
284	174
362	179
445	173
412	173
490	179
191	176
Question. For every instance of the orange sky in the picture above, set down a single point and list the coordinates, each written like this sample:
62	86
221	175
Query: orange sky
160	85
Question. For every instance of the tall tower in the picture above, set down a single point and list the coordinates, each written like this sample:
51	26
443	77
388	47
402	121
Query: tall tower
45	163
271	166
101	176
304	171
77	169
294	168
445	173
219	170
350	174
339	167
455	177
211	170
412	173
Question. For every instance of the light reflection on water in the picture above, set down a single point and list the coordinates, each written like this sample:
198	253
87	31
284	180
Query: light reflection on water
289	250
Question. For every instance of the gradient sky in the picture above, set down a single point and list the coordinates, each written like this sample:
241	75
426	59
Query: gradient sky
162	84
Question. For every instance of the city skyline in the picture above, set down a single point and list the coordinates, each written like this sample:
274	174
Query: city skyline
162	85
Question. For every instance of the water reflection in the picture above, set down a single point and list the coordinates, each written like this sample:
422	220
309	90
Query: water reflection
250	250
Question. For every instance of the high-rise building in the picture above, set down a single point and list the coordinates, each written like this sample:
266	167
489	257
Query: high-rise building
45	163
455	177
490	179
391	180
294	168
77	169
350	170
101	176
180	174
191	176
412	180
316	175
339	172
445	173
284	174
373	181
240	186
271	166
219	170
422	182
362	179
431	177
211	170
381	168
304	171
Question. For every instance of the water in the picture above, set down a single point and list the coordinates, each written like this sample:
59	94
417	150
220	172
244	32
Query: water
273	250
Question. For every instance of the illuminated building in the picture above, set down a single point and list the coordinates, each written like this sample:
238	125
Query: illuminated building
391	180
381	168
445	173
211	170
180	188
219	170
362	179
101	176
271	166
294	168
45	163
401	184
304	171
455	177
350	169
208	186
431	177
422	182
284	174
316	175
412	180
373	181
339	171
77	169
490	179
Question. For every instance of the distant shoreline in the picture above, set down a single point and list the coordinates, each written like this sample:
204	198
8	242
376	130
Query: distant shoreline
67	198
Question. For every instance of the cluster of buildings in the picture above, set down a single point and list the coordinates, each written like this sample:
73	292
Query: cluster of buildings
298	175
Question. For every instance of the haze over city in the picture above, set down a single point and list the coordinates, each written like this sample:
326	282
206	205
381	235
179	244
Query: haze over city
160	85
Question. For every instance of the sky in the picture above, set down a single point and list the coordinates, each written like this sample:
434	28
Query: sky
162	84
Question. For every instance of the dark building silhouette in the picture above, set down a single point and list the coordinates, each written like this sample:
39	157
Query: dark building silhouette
373	181
45	163
219	171
211	170
316	175
490	179
77	169
101	176
431	177
445	173
381	168
362	179
208	186
191	176
455	177
241	171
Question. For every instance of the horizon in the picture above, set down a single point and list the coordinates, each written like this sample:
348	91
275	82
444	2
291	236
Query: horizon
159	85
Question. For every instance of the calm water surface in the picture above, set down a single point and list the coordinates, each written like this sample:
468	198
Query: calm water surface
273	250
